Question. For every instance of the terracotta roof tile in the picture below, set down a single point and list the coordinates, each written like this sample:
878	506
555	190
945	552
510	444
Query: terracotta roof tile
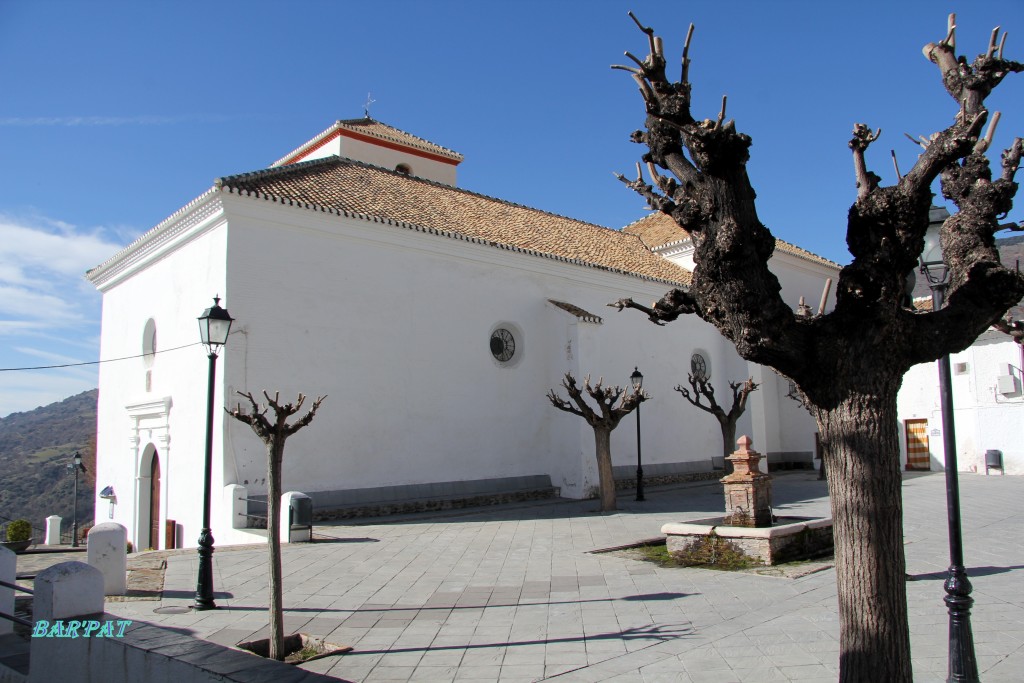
658	230
351	186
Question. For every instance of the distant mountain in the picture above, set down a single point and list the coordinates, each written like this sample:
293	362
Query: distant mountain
35	449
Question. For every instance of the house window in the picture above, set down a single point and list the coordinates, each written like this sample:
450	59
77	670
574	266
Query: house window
404	169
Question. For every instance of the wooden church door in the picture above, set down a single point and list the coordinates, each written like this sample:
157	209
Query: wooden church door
154	503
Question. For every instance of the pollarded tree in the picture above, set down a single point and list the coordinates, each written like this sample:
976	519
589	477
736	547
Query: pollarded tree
274	432
603	422
849	363
702	389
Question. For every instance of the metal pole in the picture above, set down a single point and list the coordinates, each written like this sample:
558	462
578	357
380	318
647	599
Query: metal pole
963	666
204	583
639	466
74	524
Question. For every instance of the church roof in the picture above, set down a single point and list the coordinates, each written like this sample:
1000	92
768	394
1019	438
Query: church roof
658	229
353	187
374	130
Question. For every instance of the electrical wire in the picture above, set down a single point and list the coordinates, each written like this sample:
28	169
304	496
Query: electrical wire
97	362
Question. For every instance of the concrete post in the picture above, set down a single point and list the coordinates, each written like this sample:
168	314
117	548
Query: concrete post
67	590
235	502
8	569
107	551
286	534
53	530
65	593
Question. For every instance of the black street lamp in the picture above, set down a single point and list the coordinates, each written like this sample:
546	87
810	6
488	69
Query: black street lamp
214	325
963	666
638	383
76	465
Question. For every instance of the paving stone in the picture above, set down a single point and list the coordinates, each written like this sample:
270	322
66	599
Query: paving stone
513	592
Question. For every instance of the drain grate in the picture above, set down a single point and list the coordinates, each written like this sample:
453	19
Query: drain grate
173	609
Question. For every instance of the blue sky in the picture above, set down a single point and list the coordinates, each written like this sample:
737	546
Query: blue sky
115	114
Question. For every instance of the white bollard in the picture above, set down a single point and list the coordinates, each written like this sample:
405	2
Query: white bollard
8	570
53	530
107	551
235	500
67	590
286	534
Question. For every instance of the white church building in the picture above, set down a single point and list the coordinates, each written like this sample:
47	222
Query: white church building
435	320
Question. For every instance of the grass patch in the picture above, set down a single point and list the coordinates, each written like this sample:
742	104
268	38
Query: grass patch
712	552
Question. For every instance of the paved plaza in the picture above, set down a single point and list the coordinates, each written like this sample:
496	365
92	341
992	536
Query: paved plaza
516	593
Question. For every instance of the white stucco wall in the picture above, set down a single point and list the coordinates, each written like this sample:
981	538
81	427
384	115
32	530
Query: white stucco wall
393	325
172	286
984	418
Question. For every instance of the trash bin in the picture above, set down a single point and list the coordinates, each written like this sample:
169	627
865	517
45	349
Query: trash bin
300	515
994	460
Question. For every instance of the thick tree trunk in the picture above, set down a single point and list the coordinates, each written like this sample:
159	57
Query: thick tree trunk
860	434
603	439
275	456
728	442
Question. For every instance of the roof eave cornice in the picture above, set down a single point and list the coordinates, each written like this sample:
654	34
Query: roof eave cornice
193	213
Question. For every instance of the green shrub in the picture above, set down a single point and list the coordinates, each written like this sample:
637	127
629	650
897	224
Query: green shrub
19	530
714	552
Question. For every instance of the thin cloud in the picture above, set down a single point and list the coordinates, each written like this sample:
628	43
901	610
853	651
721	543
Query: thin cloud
34	250
48	311
73	121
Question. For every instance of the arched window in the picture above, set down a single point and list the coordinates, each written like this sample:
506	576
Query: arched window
404	169
149	351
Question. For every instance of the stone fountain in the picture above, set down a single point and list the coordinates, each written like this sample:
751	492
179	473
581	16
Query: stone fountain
748	525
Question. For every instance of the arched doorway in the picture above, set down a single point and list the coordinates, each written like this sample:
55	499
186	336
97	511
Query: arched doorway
154	502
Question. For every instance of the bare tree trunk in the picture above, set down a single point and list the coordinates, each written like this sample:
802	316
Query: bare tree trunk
603	439
274	434
275	456
728	443
860	435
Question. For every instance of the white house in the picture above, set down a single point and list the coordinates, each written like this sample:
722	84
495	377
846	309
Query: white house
435	319
988	408
987	391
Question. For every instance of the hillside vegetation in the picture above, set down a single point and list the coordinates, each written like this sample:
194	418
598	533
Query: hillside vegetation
35	449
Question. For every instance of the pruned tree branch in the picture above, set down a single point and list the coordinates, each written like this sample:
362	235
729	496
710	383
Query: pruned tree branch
1014	328
613	402
702	388
264	427
711	197
862	137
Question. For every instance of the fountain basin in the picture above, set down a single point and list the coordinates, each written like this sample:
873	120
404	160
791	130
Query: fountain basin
787	540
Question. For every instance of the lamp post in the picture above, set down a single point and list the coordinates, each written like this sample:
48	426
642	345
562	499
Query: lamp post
963	666
214	325
76	465
637	380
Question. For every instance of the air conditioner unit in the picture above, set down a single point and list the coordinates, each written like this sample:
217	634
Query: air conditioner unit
1006	384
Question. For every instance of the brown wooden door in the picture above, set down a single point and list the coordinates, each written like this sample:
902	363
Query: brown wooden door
154	503
918	457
